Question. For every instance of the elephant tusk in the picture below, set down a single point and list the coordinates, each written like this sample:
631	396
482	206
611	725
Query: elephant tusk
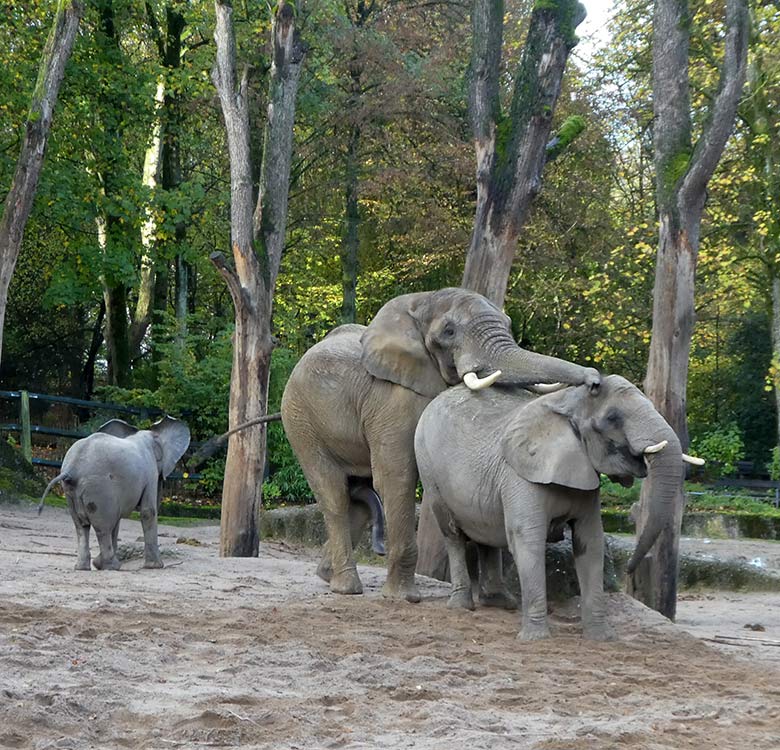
544	388
657	448
475	383
695	460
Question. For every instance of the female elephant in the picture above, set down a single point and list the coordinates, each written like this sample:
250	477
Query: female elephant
113	472
352	403
501	466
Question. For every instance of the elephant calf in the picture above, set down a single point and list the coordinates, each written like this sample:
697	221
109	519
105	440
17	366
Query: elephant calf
499	466
113	472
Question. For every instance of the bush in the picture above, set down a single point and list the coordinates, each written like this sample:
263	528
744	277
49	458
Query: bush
774	465
721	448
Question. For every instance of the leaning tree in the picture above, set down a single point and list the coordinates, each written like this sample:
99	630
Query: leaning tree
20	196
257	239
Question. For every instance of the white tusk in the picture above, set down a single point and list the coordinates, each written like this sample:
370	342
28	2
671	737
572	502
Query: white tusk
547	387
657	448
476	383
695	460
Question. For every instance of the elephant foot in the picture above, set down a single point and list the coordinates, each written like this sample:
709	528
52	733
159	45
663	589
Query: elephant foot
112	564
601	632
502	599
406	591
82	565
347	582
461	599
154	564
325	570
534	631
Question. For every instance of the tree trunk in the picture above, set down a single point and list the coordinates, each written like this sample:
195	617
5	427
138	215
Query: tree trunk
512	150
144	305
776	344
117	335
682	175
257	241
19	199
87	385
351	239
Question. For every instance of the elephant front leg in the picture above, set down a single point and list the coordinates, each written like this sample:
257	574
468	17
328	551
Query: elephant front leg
151	549
587	536
492	589
527	541
397	490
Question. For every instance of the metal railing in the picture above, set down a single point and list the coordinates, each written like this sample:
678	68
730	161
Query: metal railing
26	430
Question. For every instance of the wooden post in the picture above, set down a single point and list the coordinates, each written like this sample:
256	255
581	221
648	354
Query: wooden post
24	410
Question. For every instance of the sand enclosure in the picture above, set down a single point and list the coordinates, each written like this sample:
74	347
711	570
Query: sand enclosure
255	653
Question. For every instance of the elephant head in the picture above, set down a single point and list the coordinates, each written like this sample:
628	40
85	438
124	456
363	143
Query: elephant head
431	340
171	439
570	436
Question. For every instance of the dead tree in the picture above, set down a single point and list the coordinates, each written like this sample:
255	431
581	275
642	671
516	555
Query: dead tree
683	171
19	199
512	149
257	239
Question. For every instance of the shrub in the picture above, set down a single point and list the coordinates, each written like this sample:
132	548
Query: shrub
721	448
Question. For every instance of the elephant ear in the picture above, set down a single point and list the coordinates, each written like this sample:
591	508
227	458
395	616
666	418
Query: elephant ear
173	436
541	446
118	428
394	347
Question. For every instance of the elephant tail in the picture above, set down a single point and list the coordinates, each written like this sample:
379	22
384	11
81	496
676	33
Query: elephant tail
64	477
367	495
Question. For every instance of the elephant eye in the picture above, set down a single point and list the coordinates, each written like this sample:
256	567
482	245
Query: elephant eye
614	418
448	331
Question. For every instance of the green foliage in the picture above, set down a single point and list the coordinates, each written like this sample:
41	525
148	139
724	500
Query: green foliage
286	482
721	448
774	466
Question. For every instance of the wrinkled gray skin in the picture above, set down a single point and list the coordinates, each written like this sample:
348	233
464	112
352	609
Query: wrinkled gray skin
113	472
502	466
352	403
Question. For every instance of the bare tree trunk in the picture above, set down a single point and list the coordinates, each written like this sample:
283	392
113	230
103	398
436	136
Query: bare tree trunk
682	175
19	200
512	150
257	241
144	304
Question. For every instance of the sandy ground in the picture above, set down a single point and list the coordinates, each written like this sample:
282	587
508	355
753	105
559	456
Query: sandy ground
255	653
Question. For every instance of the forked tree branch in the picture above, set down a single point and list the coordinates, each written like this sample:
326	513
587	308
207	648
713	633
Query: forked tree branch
720	122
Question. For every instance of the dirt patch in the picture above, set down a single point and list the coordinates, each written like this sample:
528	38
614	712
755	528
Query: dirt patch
257	654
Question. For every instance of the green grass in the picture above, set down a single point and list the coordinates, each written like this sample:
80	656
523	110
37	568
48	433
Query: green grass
175	520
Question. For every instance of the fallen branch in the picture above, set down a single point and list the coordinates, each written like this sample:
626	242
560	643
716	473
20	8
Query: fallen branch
749	638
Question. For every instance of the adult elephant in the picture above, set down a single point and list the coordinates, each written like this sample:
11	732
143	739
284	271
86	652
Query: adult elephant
352	403
500	467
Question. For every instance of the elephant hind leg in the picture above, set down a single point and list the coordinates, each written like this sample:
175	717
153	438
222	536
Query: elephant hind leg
82	542
455	543
359	517
107	559
329	485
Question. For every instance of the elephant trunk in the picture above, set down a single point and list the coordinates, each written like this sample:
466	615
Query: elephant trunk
521	367
664	479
